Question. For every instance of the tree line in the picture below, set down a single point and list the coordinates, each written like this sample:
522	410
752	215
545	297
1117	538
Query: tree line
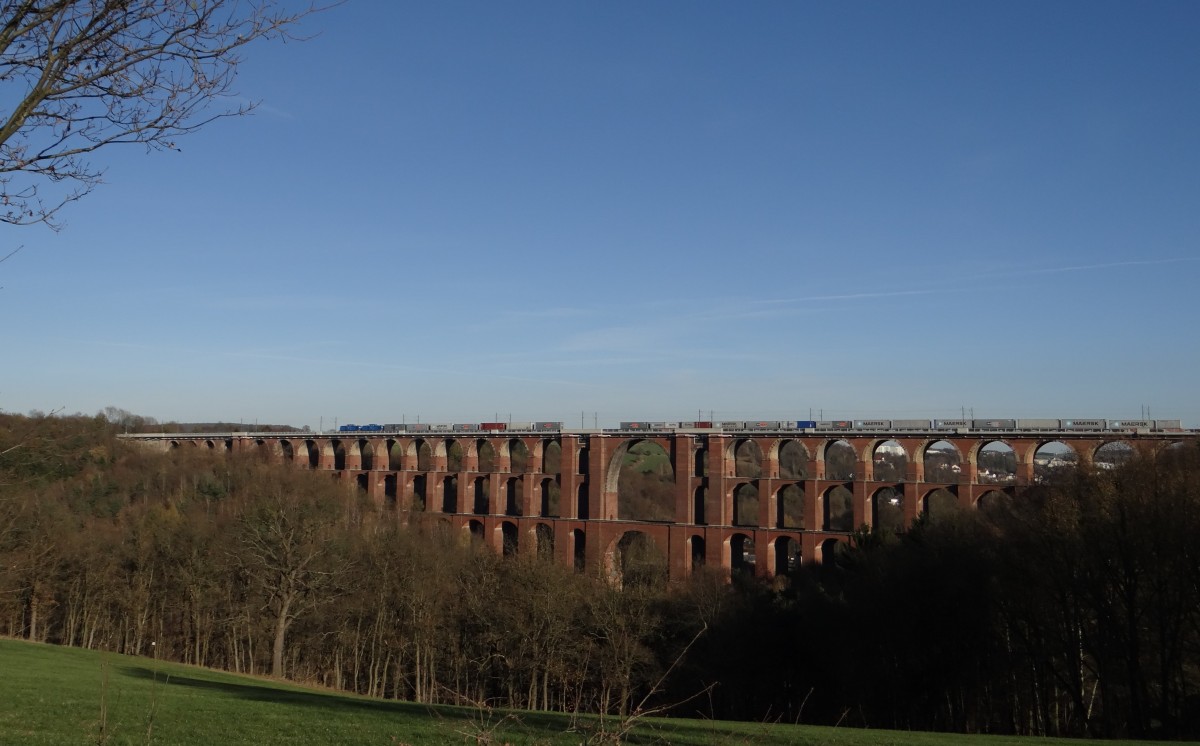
1073	609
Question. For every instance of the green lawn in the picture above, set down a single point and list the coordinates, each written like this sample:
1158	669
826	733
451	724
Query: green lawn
53	695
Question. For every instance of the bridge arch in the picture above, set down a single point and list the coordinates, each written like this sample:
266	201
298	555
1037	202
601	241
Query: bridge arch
887	510
788	557
942	461
312	454
747	457
486	457
510	541
940	503
642	475
889	460
837	507
830	549
697	552
395	454
511	494
789	506
633	558
423	453
481	495
995	460
550	457
739	549
548	497
792	457
1053	458
520	458
578	549
455	453
475	530
744	493
543	537
367	454
840	459
335	451
995	501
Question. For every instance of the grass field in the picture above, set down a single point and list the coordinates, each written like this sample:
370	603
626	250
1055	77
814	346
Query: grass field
53	695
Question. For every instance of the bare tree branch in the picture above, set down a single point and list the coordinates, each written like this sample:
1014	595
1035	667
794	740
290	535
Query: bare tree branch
86	74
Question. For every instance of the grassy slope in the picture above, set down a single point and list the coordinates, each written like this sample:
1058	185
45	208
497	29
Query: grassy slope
52	695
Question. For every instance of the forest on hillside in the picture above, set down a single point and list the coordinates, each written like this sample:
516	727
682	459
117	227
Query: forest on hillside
1072	610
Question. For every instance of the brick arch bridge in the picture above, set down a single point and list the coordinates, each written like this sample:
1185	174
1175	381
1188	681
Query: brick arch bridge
520	493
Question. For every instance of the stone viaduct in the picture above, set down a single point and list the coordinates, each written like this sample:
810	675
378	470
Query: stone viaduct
750	501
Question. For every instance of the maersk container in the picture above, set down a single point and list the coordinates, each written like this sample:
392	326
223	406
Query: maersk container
1085	424
1130	424
910	424
872	424
950	424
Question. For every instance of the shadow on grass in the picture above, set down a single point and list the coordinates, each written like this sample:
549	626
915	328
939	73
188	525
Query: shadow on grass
266	692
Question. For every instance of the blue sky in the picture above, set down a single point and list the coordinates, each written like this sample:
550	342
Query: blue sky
459	210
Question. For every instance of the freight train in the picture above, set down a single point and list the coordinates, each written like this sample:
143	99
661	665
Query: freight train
875	426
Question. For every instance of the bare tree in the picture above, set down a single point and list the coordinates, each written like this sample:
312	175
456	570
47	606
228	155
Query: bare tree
84	74
288	550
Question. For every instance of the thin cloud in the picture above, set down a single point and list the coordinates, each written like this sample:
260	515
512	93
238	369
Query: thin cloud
1089	267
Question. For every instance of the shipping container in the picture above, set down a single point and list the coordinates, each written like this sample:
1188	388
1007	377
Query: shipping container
732	425
1036	424
1130	424
950	424
835	425
394	428
762	425
547	426
872	424
993	424
806	424
1168	425
910	424
1084	424
417	427
493	426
